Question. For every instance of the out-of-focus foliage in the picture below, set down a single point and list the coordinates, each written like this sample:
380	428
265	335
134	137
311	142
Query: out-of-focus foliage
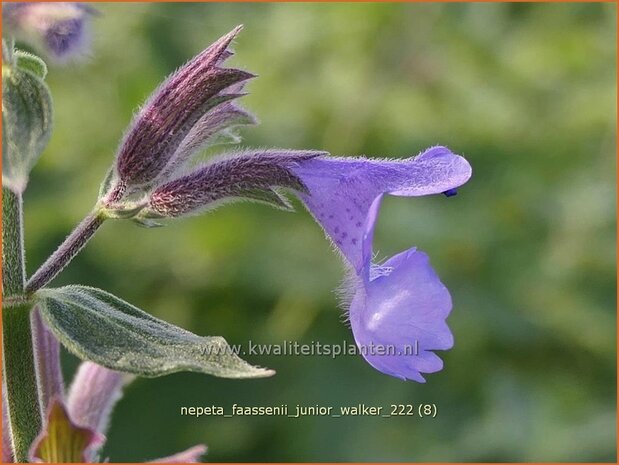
526	92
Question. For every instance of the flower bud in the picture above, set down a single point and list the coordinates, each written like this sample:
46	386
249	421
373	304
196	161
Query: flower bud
60	30
173	110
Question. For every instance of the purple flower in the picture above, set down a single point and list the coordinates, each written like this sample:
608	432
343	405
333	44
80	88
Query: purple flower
75	424
182	115
61	30
398	309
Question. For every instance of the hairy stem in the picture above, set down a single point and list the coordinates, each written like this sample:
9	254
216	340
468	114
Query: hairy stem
71	246
13	266
17	351
20	379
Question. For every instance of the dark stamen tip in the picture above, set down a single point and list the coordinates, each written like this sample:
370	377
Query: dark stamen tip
451	192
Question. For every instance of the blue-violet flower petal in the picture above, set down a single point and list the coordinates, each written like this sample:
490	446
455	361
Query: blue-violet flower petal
399	308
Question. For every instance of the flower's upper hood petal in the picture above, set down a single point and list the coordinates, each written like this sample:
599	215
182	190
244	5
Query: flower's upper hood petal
342	191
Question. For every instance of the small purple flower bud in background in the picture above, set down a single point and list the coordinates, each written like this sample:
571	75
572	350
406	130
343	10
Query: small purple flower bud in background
59	30
74	431
253	175
174	109
75	424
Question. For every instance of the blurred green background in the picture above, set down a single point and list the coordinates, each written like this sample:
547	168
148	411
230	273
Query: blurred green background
527	92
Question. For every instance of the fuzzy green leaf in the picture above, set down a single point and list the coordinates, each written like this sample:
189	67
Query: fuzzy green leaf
26	117
31	62
98	326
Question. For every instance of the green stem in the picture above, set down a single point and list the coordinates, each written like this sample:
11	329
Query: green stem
17	349
13	266
20	379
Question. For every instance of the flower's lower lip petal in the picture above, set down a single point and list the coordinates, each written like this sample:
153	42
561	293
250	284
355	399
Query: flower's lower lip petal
411	369
413	366
392	365
402	312
428	332
426	362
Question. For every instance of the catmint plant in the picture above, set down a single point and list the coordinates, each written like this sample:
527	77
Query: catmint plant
155	178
